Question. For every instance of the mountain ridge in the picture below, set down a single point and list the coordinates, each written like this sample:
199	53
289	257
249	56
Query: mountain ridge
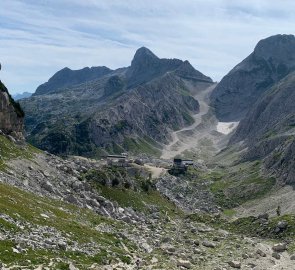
271	60
112	98
21	95
67	77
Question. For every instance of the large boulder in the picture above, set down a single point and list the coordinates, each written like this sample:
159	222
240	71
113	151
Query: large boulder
280	247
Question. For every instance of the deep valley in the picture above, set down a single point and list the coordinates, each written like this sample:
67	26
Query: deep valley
153	166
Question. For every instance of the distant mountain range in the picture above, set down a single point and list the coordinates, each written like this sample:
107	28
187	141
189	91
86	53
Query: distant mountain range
22	95
97	109
67	78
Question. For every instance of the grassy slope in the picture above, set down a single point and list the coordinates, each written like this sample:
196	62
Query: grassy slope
9	150
76	224
140	201
237	184
72	222
234	185
80	224
140	196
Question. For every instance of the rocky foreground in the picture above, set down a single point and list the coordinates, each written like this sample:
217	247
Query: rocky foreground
82	214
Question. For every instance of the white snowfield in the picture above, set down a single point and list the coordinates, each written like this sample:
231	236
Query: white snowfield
226	127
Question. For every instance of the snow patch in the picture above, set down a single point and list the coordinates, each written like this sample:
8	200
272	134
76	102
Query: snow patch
226	127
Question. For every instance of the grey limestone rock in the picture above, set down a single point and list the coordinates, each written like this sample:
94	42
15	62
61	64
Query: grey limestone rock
271	60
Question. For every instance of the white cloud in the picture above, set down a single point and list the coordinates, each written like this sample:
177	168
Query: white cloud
37	38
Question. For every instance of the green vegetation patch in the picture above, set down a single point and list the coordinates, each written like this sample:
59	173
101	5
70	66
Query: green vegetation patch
10	150
31	258
129	187
253	226
189	120
140	201
139	146
237	184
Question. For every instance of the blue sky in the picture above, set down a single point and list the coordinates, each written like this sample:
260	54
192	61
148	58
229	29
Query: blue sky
39	37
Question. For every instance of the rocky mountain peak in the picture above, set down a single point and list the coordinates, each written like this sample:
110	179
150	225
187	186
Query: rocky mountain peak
146	66
279	47
143	59
272	60
186	65
144	56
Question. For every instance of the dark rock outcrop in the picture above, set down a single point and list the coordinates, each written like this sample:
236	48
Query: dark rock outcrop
273	58
11	115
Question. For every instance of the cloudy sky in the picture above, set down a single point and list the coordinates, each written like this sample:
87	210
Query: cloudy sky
39	37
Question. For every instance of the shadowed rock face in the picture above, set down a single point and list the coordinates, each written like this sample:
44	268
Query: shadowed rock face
128	109
11	115
268	130
273	58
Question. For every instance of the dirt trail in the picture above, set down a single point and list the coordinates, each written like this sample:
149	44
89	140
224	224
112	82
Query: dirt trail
189	137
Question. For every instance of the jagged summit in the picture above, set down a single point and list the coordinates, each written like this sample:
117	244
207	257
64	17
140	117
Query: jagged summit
146	65
143	54
143	60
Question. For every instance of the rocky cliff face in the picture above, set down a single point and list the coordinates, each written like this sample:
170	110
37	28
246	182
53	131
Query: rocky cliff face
273	58
150	110
269	130
131	109
11	115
